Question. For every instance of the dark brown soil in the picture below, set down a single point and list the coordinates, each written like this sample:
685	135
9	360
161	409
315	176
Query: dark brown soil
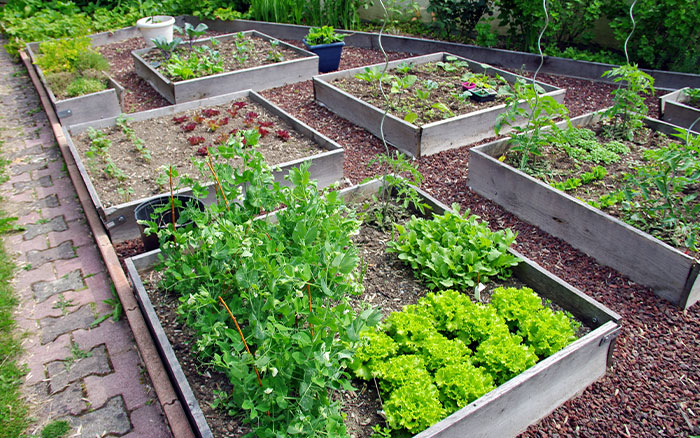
255	52
407	101
168	144
653	389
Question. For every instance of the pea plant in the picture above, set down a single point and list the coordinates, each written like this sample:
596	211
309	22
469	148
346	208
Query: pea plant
628	109
268	299
122	123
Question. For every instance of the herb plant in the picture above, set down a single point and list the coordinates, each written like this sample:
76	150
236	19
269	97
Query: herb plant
323	35
286	284
454	250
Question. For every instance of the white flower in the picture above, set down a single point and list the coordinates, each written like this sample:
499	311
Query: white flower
268	391
326	356
300	294
274	371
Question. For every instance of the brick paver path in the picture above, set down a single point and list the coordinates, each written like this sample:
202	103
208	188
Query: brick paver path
89	375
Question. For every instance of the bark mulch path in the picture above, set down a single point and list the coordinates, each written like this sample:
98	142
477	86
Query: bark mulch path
653	388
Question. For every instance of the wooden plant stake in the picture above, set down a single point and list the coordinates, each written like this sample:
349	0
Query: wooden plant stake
242	338
216	178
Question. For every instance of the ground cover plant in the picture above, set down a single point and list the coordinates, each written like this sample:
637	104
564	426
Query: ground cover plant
179	62
426	93
693	95
71	67
126	161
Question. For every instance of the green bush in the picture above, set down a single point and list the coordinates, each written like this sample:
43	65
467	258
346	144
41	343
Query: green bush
667	33
82	85
460	16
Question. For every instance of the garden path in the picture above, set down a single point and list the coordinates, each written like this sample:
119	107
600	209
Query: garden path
88	374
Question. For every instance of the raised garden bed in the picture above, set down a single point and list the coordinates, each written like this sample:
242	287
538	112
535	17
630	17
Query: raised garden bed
505	411
429	138
235	76
115	199
675	109
670	272
94	106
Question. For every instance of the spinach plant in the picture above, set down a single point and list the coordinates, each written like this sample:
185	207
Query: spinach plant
454	250
286	282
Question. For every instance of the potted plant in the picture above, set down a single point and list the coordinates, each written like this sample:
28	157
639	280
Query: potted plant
154	26
327	44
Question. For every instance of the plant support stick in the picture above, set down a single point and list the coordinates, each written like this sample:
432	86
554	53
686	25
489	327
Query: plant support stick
242	338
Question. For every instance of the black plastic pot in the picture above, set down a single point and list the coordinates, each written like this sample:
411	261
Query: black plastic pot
483	95
328	55
145	212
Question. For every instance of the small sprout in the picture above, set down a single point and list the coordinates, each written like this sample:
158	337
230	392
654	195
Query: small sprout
221	138
210	112
195	140
232	112
203	151
266	124
212	125
234	131
251	115
189	127
180	119
197	118
239	105
262	131
223	121
283	134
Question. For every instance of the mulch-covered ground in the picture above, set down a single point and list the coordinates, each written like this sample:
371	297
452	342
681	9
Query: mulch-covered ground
653	389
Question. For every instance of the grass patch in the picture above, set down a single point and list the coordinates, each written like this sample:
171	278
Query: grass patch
55	429
13	410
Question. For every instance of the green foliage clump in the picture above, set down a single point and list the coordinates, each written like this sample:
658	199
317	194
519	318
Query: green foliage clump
461	384
338	13
72	67
454	250
628	109
445	351
505	357
452	16
287	283
581	144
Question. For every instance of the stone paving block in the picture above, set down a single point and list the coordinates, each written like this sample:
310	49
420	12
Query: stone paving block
29	218
57	224
60	185
61	373
35	149
70	401
61	252
51	328
68	207
125	380
44	181
115	335
29	167
36	355
111	418
89	260
56	168
25	279
16	244
71	281
30	205
77	231
148	421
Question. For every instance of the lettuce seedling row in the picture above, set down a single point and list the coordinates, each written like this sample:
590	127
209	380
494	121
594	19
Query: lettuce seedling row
505	411
255	78
118	217
675	109
671	273
415	140
100	105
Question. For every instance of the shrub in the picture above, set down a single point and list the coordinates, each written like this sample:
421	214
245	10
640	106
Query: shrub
458	15
82	85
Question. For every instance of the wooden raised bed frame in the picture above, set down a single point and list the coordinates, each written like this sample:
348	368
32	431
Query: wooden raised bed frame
675	111
672	274
414	140
255	78
326	167
101	105
503	412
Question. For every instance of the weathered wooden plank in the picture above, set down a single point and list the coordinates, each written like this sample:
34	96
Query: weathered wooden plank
675	110
610	241
326	167
172	365
431	138
255	78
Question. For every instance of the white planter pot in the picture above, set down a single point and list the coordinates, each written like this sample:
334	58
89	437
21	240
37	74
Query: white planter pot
160	26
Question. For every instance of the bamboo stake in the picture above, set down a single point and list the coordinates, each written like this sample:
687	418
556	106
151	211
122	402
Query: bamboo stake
311	326
172	199
216	178
242	338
